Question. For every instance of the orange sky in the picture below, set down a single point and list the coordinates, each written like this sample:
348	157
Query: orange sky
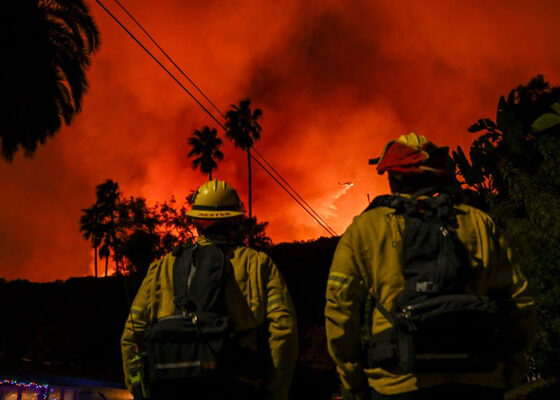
335	79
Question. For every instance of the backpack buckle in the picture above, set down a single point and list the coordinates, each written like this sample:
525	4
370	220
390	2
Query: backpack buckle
192	316
406	317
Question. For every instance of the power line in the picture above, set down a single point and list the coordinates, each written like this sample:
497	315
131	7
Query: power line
159	63
168	57
329	229
292	196
332	231
316	216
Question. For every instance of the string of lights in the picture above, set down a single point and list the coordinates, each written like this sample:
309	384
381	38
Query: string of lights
296	196
42	390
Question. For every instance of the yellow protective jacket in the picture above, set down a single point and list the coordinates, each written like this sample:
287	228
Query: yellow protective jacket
256	297
367	262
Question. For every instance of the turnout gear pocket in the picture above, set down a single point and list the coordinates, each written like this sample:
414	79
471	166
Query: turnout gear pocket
186	346
435	336
448	333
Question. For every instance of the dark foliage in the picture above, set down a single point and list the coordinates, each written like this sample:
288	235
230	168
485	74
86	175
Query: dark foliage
205	147
98	223
135	234
305	267
513	174
90	228
130	231
242	124
70	328
46	48
251	231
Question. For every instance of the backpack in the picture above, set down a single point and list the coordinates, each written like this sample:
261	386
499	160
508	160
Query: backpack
437	325
191	343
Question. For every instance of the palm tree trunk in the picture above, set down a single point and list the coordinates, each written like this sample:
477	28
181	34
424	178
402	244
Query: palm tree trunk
106	266
250	177
210	175
95	259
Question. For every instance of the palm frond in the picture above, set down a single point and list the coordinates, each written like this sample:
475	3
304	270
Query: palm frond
205	144
47	46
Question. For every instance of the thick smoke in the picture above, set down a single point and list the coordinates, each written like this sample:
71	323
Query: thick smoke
335	79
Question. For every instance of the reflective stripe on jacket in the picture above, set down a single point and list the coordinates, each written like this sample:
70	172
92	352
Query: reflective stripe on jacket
367	261
256	296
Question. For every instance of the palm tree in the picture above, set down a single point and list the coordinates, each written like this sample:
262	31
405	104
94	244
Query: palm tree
108	200
98	222
91	228
206	147
46	47
243	129
105	252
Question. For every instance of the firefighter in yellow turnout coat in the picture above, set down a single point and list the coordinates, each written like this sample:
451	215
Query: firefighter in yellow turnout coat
367	262
256	296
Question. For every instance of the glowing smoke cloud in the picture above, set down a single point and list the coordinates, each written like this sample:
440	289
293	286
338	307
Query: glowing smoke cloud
336	80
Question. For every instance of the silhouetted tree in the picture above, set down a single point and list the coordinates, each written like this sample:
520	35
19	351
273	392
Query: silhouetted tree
514	172
243	128
140	249
206	149
99	221
131	232
91	228
146	233
253	233
173	227
136	237
105	252
108	198
46	47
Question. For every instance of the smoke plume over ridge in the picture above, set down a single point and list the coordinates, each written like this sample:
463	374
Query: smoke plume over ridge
335	80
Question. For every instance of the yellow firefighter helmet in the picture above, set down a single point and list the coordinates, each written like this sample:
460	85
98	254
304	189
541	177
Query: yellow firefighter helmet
215	200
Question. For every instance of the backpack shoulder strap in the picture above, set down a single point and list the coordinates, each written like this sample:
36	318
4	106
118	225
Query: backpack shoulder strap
441	206
387	200
181	270
205	286
198	275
